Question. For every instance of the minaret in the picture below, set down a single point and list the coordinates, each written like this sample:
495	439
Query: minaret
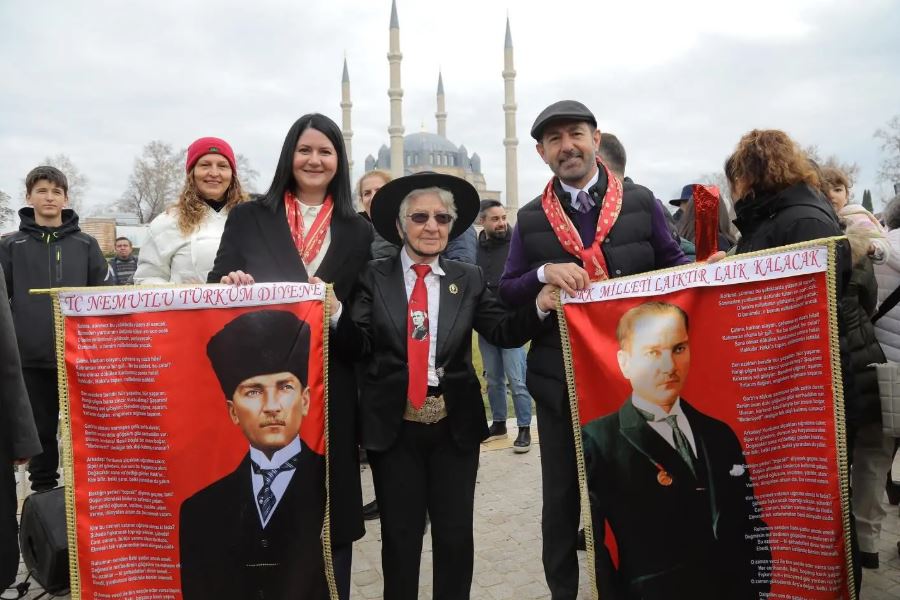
441	114
510	141
395	93
346	105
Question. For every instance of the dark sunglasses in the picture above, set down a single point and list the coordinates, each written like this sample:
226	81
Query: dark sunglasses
420	218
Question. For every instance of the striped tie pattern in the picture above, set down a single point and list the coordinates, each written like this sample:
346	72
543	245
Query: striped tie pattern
266	497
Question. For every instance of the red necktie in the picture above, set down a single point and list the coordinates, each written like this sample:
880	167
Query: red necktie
418	342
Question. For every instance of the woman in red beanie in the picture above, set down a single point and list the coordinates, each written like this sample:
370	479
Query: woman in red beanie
184	239
305	226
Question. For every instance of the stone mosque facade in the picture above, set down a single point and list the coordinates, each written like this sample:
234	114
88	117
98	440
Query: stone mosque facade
426	151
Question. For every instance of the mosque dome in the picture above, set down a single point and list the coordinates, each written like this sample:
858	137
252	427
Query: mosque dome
427	142
425	150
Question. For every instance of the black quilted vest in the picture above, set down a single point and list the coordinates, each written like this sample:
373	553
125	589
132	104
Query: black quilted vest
627	248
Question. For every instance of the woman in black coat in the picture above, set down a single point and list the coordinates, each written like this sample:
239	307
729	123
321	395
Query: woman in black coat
779	203
305	226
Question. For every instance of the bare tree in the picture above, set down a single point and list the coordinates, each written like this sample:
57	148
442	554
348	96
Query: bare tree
7	213
78	182
155	181
890	144
247	173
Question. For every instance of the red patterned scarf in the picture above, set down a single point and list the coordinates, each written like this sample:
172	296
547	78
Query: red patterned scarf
567	233
308	245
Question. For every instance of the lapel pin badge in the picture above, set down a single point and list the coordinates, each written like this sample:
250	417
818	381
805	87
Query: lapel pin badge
737	470
664	478
453	288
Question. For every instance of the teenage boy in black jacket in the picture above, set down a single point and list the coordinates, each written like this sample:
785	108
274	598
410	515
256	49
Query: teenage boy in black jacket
48	251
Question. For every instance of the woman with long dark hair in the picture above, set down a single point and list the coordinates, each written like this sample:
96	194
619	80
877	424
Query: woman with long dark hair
305	226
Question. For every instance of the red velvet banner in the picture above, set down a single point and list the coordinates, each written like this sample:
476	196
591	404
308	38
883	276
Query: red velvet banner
186	475
712	429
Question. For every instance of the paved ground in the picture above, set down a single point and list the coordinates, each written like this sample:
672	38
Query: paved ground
508	539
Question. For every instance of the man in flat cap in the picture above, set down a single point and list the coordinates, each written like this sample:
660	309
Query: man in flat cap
256	533
421	410
585	226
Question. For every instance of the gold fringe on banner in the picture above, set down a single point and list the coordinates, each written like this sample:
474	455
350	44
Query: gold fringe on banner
579	449
840	433
68	461
326	526
830	244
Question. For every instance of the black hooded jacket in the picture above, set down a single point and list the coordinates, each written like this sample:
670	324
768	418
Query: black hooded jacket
492	253
46	257
795	214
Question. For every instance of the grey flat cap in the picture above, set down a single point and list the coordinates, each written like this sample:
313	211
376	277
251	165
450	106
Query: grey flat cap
564	110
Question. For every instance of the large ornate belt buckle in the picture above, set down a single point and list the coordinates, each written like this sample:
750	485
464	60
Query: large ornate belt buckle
432	411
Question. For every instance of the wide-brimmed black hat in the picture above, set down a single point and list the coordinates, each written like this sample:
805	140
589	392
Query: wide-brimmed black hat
386	203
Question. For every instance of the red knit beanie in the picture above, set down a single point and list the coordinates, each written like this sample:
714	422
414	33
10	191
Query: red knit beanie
209	145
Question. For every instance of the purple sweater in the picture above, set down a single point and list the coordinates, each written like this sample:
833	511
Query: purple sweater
520	285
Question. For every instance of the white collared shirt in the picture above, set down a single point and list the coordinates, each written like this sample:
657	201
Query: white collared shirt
659	425
433	289
573	191
281	481
309	217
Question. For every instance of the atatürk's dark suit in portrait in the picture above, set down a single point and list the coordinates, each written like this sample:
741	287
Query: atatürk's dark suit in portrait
226	554
679	535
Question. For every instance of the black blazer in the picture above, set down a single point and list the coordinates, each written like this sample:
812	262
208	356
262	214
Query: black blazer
257	240
225	552
375	326
676	541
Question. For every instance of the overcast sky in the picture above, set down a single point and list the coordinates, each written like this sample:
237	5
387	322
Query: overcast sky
678	82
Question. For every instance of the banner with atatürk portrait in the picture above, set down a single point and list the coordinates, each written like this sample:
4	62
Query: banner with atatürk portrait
195	441
709	429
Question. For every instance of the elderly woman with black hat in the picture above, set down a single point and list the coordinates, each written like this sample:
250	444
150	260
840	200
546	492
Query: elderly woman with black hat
421	411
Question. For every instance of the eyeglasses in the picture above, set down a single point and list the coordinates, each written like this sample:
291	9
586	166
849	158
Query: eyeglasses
420	218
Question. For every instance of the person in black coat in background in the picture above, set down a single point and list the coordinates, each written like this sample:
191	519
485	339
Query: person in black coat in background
18	438
305	225
778	203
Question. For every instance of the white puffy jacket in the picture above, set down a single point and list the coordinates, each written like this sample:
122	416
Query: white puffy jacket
170	257
887	328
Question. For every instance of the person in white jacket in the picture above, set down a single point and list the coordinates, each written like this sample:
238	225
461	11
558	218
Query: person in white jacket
184	239
837	185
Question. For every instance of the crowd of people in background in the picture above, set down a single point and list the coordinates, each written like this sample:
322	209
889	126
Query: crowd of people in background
307	227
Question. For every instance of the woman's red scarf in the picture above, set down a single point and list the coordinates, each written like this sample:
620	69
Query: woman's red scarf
308	245
567	233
